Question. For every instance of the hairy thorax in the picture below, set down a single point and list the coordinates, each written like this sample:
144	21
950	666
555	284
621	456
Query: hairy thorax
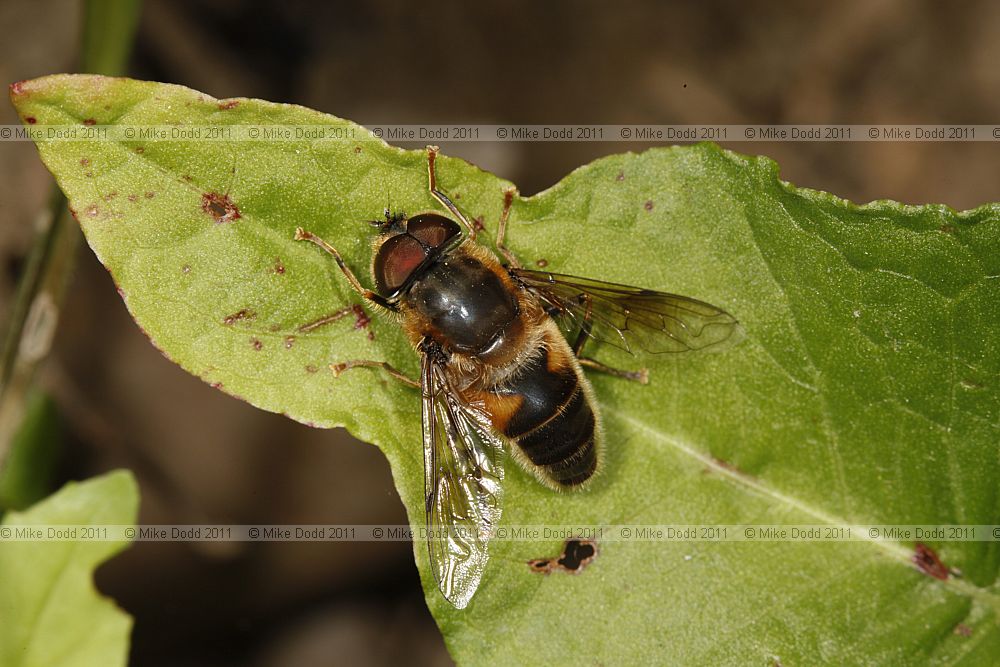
469	304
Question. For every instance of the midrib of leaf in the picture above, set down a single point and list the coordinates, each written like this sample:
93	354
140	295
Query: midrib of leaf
896	551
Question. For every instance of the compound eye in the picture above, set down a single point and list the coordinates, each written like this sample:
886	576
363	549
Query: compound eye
431	229
396	260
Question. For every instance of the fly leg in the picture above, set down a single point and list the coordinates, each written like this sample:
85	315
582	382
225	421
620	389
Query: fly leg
364	363
641	376
377	299
508	199
432	152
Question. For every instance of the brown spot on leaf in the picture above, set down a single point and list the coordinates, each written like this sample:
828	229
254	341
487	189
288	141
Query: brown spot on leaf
140	150
257	345
289	342
963	630
219	207
279	268
225	105
188	177
542	263
186	269
133	197
150	195
477	223
576	555
84	161
311	369
541	565
216	385
648	205
722	463
361	319
72	212
620	176
357	149
326	319
946	229
244	314
31	120
89	174
109	196
726	465
17	88
89	122
92	211
927	561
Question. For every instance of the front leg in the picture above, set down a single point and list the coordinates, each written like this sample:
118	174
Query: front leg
508	200
432	152
369	295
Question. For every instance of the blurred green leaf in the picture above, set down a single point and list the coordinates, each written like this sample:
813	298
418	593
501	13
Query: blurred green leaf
50	613
865	390
26	474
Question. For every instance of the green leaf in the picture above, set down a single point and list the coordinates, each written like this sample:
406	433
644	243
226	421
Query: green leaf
51	614
865	390
26	474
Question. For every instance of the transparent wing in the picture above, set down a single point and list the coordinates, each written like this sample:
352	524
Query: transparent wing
463	475
629	317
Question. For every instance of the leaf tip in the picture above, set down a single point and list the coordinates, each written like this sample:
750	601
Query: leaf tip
17	89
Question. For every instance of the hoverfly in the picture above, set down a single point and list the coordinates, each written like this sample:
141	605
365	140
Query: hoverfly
497	366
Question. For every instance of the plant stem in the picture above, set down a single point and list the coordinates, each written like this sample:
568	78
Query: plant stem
108	31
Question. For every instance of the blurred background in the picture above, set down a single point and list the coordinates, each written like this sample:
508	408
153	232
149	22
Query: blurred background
201	456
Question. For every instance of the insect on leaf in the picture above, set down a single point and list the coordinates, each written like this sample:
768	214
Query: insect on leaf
865	390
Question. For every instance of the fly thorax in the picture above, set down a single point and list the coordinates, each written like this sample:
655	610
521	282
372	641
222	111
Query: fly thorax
467	304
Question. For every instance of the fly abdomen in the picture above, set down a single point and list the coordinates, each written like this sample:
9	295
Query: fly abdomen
565	446
546	411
